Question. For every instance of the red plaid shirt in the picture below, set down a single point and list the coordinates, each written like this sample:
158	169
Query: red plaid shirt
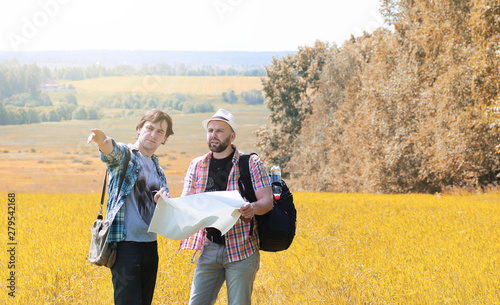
239	243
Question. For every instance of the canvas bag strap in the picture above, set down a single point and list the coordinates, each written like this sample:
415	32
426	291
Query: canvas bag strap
122	177
99	215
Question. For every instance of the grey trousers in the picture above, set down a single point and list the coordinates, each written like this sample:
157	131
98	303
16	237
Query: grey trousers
213	268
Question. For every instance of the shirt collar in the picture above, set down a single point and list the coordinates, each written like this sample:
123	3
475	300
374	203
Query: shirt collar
134	148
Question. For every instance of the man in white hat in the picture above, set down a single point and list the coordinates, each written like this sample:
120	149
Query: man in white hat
233	257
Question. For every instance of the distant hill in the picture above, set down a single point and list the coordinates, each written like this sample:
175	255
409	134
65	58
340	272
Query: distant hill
139	58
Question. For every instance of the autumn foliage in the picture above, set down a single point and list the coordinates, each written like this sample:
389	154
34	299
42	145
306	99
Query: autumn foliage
409	108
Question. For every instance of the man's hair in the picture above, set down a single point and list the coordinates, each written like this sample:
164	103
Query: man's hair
155	116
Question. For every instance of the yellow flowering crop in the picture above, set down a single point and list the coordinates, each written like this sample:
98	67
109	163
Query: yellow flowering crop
349	249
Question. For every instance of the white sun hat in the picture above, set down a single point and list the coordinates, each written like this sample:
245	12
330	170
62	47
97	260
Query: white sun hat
224	116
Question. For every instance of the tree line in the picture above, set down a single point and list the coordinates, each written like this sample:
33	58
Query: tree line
250	97
410	108
96	70
178	101
10	115
22	101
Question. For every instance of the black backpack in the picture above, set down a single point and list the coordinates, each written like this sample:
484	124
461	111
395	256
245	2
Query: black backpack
277	227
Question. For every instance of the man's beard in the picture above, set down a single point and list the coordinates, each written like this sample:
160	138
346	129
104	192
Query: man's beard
219	147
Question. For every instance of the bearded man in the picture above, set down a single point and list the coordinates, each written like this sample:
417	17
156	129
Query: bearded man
233	257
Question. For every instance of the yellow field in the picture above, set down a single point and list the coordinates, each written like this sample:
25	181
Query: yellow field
91	89
203	85
349	249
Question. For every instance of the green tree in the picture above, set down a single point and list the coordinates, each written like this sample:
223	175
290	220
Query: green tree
4	116
65	111
46	73
252	97
229	97
32	78
33	116
43	117
92	114
80	114
20	99
72	73
287	89
4	90
94	71
53	116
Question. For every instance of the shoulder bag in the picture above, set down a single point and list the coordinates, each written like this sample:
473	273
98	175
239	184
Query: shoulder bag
101	252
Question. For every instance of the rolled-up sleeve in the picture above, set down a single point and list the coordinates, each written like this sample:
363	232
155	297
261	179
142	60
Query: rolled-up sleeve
115	158
258	172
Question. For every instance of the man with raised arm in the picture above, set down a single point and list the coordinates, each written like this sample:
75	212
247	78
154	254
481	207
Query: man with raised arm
131	206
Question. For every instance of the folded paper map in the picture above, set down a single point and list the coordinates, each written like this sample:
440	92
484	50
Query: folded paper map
179	218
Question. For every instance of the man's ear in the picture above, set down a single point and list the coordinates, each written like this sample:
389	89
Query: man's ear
233	136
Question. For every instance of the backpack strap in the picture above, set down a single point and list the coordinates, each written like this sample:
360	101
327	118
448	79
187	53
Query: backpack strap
245	181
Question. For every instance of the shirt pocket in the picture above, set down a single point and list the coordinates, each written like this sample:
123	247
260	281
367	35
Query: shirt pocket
200	185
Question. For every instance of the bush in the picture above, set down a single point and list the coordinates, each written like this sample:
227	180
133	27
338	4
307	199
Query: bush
253	97
53	116
229	97
80	114
201	107
92	114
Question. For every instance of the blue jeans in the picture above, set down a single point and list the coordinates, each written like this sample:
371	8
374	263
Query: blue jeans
134	272
213	268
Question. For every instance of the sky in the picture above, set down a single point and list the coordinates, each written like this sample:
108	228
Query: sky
182	25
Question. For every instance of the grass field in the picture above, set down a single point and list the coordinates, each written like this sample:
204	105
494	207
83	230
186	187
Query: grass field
55	157
349	249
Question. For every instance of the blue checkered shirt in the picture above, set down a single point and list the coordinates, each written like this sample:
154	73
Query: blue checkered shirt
115	162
